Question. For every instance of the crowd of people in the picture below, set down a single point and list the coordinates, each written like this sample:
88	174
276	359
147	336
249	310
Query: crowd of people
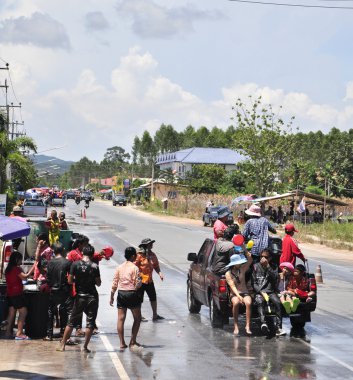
71	280
252	273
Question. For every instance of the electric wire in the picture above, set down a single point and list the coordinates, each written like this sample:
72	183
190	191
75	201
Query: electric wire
293	5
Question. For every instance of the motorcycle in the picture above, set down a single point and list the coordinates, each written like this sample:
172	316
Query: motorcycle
86	203
77	200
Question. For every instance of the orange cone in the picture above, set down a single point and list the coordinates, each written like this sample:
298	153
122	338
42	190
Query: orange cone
84	213
318	275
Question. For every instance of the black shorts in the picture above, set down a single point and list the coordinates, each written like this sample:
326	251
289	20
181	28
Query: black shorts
129	299
17	302
150	290
87	305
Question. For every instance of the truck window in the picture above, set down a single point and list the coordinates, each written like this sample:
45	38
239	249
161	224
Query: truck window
204	252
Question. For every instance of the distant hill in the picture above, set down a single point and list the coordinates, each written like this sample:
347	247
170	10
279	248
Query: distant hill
51	164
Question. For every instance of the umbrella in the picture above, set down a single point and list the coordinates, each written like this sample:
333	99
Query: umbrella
12	228
243	198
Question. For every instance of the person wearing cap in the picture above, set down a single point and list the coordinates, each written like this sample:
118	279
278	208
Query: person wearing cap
239	293
256	229
285	275
298	287
221	223
264	281
147	261
290	249
224	250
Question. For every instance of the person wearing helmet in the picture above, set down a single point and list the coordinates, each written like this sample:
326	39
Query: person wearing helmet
290	249
147	261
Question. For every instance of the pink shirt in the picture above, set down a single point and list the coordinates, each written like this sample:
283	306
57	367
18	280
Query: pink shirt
47	254
127	277
218	226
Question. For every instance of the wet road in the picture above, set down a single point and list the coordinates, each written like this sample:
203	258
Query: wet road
184	345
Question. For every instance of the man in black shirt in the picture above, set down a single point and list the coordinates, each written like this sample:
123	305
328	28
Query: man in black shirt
86	275
57	272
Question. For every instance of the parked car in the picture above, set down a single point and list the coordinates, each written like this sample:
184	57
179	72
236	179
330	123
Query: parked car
34	207
119	199
211	215
204	287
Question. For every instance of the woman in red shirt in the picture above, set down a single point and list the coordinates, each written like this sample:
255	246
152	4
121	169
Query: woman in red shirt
15	297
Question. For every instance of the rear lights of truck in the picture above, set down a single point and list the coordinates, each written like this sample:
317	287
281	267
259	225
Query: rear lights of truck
222	285
313	284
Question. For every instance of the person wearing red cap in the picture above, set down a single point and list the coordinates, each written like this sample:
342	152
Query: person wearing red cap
290	249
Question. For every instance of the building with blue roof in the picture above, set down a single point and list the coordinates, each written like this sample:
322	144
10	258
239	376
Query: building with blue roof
183	160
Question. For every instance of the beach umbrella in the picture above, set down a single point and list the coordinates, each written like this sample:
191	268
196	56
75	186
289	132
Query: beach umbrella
13	228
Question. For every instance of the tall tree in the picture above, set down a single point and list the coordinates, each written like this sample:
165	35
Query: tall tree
262	137
167	139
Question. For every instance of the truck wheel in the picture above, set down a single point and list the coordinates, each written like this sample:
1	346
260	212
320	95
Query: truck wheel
215	315
297	324
194	306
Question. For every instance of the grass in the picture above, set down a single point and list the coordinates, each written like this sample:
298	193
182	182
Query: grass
331	234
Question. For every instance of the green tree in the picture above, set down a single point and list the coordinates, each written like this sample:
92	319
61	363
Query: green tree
205	178
167	139
11	154
261	136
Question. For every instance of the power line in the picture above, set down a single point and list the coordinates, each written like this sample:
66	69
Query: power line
293	5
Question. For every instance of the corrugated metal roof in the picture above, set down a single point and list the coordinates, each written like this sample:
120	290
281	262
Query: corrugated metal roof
220	156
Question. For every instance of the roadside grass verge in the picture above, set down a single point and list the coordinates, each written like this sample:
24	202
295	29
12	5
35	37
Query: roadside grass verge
331	234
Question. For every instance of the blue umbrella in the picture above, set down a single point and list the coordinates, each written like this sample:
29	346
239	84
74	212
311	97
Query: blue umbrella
12	228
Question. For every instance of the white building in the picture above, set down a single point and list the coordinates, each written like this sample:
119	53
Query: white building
183	160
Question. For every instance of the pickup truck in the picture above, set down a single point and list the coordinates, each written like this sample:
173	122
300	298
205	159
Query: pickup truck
119	199
204	287
34	207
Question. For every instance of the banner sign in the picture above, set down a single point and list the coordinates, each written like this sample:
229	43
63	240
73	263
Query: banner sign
126	183
3	204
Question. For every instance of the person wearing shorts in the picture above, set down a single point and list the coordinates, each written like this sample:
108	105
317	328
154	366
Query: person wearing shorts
86	276
15	297
147	261
127	281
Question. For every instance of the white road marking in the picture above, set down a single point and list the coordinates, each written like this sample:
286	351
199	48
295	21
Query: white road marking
114	357
328	356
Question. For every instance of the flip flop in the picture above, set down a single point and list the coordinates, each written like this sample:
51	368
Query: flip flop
22	337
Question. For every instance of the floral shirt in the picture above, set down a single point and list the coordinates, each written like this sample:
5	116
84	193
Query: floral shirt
146	264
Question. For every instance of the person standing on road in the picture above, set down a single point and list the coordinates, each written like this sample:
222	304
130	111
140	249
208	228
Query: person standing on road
127	280
265	284
76	255
221	223
290	249
57	272
256	229
86	275
147	261
15	297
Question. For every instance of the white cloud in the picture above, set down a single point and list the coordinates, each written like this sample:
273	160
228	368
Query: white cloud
38	29
150	20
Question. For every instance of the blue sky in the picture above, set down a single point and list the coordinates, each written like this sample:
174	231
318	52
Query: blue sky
92	74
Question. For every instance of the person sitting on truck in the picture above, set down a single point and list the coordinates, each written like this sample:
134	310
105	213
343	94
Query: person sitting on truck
284	278
53	223
264	282
239	293
62	222
224	250
298	286
290	249
221	223
15	297
256	228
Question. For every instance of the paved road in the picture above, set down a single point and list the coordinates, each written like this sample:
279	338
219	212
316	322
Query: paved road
184	345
